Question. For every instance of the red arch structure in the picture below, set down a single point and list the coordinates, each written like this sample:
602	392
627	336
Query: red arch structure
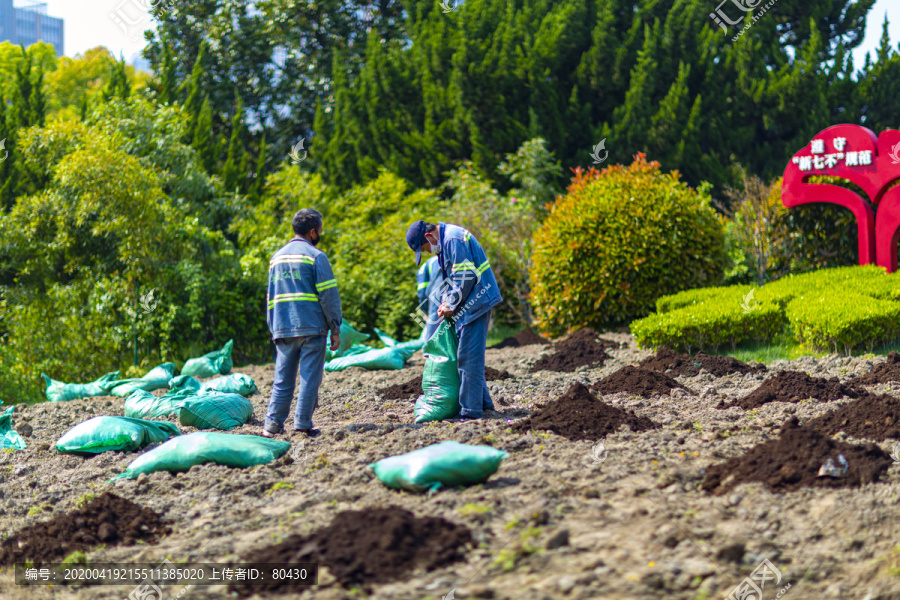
853	153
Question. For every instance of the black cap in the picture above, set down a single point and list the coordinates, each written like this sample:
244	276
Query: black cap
415	237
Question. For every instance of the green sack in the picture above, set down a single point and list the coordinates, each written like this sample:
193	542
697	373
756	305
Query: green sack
447	464
9	437
185	382
349	337
183	452
384	358
58	391
157	378
101	434
390	342
213	363
215	410
440	381
236	383
144	405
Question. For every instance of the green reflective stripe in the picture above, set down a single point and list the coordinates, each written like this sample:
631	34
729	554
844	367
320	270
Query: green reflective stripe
484	267
468	235
326	285
466	264
424	284
422	268
292	258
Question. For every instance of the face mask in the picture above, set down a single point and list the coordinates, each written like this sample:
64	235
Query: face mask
432	247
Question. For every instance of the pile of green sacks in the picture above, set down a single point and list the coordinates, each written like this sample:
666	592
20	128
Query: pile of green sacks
204	409
353	354
214	363
447	464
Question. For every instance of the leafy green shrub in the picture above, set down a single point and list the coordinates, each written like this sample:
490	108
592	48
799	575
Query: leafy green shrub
617	241
842	320
839	309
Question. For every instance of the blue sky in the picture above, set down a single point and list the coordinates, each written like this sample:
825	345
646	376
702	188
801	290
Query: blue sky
90	23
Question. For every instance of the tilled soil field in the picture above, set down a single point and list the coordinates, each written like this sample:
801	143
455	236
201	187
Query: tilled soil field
684	508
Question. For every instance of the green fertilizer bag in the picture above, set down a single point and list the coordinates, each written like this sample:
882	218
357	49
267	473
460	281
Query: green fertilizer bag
101	434
236	383
390	342
440	381
349	337
58	391
185	382
9	437
185	451
144	405
215	410
156	379
373	360
447	464
208	365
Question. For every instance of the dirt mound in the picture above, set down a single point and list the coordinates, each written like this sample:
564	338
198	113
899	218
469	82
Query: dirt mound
413	387
361	547
492	374
871	416
682	364
402	391
580	349
883	373
107	519
794	386
526	337
796	459
580	415
637	381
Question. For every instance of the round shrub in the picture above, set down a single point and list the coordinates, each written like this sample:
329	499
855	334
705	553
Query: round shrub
618	240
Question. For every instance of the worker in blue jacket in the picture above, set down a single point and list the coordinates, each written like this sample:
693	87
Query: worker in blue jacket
429	279
303	306
469	292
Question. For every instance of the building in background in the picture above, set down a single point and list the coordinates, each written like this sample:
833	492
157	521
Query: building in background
27	23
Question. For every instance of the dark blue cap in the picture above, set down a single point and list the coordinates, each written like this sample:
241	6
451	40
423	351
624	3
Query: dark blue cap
415	237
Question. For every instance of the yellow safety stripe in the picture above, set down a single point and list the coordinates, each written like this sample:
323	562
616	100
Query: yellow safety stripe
424	284
293	298
484	267
468	235
292	258
423	267
466	264
326	285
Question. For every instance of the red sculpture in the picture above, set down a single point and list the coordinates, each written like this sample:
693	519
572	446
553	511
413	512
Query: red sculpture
853	153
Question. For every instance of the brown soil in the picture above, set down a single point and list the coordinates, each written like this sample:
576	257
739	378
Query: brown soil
582	348
792	461
682	364
413	387
871	416
637	381
886	371
107	519
580	415
526	337
492	374
361	547
794	386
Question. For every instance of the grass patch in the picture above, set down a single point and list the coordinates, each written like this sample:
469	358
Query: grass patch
474	509
500	333
281	485
84	500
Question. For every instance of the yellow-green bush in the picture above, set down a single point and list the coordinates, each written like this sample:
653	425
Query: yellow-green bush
832	309
617	241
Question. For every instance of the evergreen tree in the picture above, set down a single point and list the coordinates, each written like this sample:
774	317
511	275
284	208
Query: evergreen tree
204	141
234	173
259	179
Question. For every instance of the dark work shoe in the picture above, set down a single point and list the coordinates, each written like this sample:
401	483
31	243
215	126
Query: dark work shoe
309	432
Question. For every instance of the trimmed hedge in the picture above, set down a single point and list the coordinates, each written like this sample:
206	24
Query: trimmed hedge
831	309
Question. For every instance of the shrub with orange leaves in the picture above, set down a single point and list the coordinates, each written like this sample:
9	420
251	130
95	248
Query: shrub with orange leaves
618	240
